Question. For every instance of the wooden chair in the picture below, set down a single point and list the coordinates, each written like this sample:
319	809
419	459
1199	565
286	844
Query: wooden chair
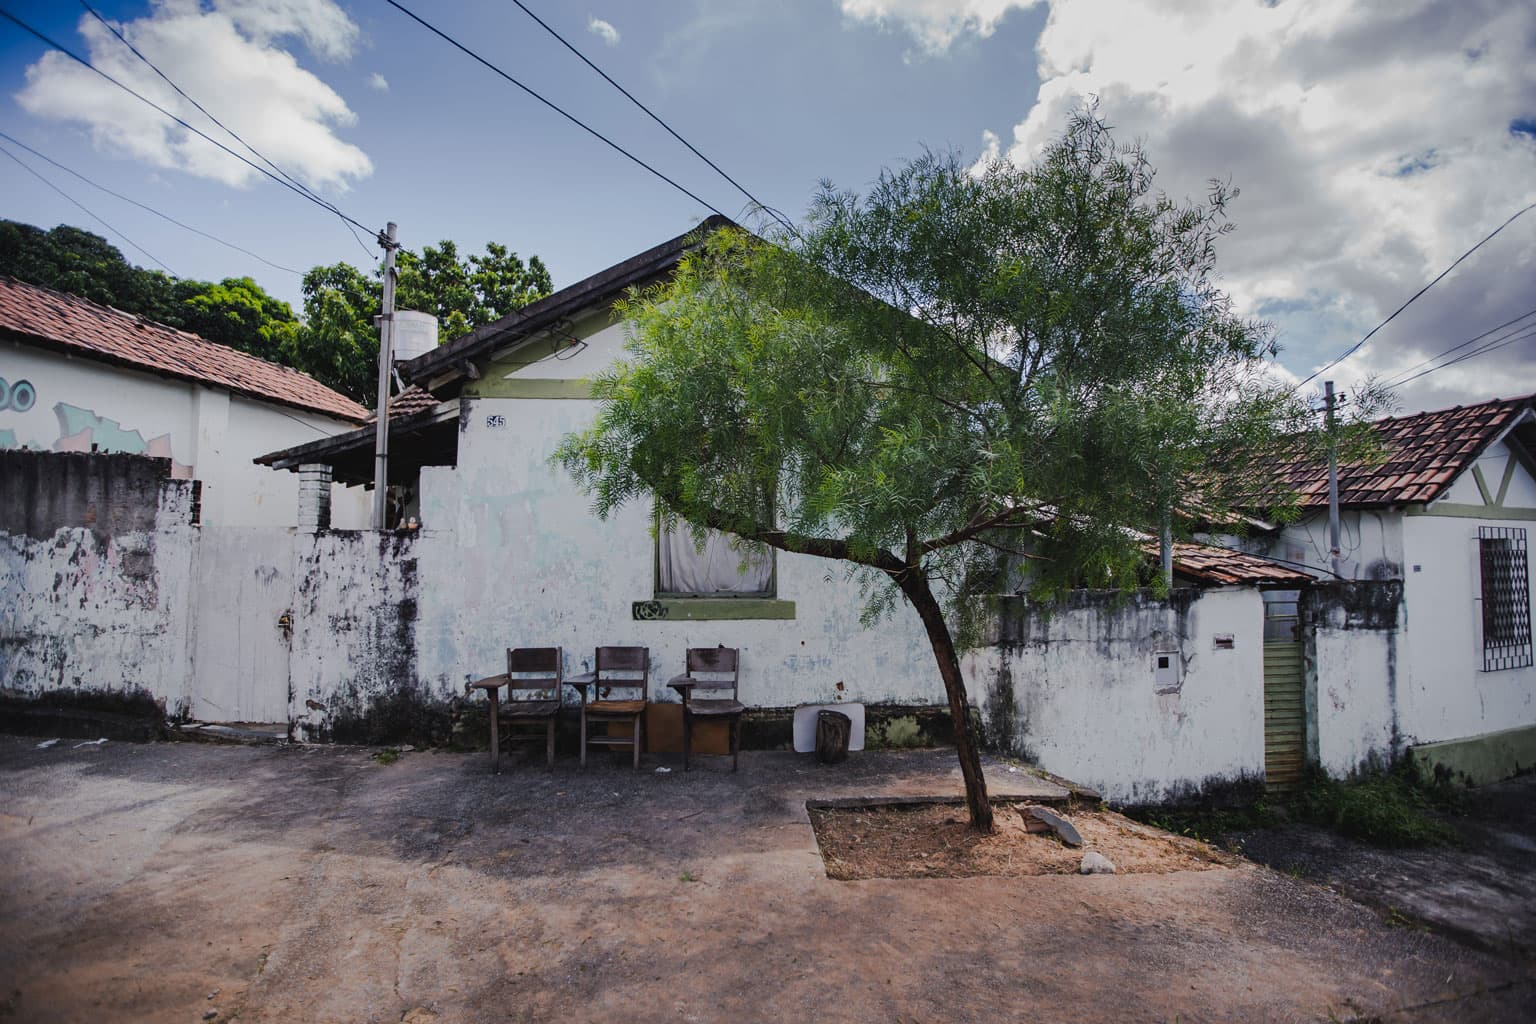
713	669
615	668
536	671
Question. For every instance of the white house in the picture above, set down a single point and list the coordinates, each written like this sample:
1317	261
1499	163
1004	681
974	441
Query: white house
76	376
1449	513
1143	699
1250	668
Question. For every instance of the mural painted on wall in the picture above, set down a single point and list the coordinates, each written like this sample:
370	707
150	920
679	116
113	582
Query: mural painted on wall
19	396
84	430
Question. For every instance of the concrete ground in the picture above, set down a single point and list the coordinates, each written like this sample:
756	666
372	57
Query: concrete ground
1479	889
161	882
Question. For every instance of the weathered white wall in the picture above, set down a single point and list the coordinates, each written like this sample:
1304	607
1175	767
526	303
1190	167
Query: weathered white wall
354	626
1075	690
105	605
1355	665
1370	544
244	583
1448	695
511	556
205	431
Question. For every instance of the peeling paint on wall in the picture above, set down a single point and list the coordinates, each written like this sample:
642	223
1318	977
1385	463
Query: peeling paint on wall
95	568
354	629
84	430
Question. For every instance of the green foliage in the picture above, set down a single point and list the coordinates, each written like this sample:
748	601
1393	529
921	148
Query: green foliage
1390	808
465	293
954	374
337	343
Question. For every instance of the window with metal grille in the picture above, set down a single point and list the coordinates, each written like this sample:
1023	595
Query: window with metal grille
1506	597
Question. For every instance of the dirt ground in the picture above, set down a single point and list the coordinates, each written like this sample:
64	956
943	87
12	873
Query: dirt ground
938	842
163	882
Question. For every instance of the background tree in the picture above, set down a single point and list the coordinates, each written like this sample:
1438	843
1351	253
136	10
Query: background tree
337	343
953	376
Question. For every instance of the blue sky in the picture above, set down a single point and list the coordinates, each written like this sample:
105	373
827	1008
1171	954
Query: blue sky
1373	144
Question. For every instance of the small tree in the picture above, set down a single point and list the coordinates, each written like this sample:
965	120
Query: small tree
965	371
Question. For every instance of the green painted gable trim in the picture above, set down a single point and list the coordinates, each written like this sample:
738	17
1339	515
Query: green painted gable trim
530	388
1447	510
694	609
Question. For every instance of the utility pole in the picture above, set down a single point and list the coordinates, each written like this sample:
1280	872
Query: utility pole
1333	479
386	359
1165	546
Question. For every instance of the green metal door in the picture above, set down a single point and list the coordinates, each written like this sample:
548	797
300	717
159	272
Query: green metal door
1285	715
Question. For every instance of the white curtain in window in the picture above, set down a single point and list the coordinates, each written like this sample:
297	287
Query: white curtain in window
725	565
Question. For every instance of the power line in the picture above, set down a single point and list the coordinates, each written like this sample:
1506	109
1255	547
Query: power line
88	211
1492	346
331	208
654	117
145	206
1456	348
548	103
305	189
1356	346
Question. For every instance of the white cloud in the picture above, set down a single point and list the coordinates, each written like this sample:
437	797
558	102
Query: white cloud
324	26
225	57
1316	109
934	23
1373	144
378	81
604	31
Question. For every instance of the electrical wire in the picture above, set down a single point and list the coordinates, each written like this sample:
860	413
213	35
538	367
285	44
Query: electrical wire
654	117
1356	346
548	103
144	206
329	207
1493	346
294	182
88	211
1456	348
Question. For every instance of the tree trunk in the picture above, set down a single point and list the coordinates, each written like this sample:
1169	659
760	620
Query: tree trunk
917	591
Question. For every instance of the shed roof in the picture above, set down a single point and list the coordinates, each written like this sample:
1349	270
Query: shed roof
68	323
1425	453
1215	566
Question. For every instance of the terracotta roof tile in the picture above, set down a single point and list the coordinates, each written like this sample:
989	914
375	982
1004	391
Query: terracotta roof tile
413	399
1222	567
1425	452
59	320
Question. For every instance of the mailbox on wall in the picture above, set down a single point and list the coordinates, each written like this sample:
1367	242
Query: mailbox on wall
1166	671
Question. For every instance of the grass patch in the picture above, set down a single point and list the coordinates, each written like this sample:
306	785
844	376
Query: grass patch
1392	808
1389	808
389	755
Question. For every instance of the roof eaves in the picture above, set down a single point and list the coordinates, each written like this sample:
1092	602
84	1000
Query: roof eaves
327	449
446	362
74	351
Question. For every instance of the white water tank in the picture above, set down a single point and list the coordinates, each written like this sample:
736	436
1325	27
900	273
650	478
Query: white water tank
415	334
